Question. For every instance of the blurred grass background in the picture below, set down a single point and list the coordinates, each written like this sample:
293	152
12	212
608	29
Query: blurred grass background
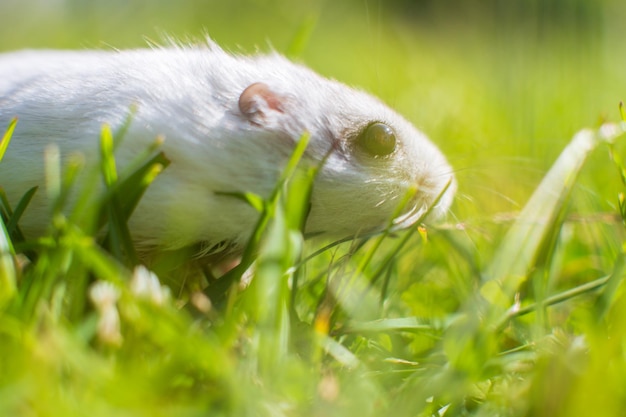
501	86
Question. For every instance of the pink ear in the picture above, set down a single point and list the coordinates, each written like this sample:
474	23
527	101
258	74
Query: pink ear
258	103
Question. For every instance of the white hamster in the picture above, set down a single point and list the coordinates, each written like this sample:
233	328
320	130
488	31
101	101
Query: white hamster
229	122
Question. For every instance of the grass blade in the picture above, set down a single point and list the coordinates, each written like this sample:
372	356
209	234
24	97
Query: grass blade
123	193
557	298
401	324
8	271
217	291
12	225
613	282
6	138
302	36
471	339
538	221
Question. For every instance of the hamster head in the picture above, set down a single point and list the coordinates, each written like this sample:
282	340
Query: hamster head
375	158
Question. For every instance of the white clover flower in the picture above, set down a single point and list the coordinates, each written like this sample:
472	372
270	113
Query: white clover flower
146	285
104	296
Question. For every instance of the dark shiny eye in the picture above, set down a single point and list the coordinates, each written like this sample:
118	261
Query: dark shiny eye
377	139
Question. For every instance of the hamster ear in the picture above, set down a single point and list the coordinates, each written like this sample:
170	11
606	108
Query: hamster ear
258	103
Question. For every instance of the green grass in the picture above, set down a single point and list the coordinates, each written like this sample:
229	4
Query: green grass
514	306
361	328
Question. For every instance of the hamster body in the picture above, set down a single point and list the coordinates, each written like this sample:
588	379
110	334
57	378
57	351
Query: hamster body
229	124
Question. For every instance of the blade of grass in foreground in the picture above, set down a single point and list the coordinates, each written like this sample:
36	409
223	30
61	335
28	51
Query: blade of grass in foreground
124	192
531	235
218	291
6	138
12	225
526	249
8	271
119	239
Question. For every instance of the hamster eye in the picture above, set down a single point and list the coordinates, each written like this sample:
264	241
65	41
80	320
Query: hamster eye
377	139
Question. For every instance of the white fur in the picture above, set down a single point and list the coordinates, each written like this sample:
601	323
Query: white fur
189	95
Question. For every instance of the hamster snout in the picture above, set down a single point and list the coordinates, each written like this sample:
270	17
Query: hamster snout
229	122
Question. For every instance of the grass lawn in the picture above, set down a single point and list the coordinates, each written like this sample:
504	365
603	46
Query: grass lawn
512	306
